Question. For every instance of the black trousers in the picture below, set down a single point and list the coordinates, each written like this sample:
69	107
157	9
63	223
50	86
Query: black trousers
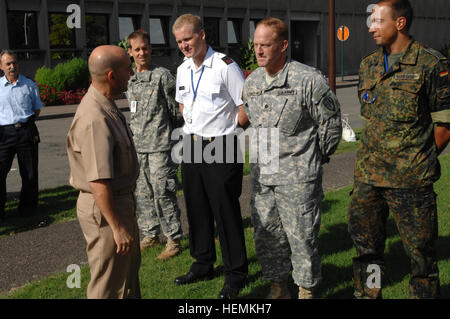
211	192
22	141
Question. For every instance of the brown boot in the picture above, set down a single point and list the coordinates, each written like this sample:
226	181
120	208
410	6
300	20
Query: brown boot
173	248
149	242
305	293
279	290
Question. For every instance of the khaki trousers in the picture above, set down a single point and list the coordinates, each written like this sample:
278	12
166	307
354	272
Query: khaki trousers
112	276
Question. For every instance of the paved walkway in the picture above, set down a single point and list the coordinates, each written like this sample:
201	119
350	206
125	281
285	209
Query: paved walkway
35	254
63	111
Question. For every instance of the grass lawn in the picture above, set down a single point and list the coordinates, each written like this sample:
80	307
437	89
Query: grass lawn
335	246
345	146
55	205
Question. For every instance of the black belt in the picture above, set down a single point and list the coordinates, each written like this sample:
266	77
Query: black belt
123	191
21	124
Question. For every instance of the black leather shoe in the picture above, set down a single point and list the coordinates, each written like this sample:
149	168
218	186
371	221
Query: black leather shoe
191	277
229	292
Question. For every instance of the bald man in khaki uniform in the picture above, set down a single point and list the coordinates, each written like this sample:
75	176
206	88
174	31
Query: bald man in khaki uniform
104	167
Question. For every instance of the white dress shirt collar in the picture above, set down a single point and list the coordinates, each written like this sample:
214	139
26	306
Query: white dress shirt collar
207	61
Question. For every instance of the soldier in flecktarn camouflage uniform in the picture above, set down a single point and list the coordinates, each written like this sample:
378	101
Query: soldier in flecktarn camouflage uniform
296	101
405	101
154	115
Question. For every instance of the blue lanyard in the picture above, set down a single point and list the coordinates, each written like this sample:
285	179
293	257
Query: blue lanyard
198	82
366	95
386	65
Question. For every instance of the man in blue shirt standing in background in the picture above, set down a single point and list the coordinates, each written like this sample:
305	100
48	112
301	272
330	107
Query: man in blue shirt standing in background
20	104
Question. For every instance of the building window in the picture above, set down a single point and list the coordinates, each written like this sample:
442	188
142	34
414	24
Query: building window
127	25
22	30
62	38
158	30
212	31
253	24
234	31
159	33
97	32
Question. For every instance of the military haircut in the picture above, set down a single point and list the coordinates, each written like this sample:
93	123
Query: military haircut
400	8
138	34
278	26
188	19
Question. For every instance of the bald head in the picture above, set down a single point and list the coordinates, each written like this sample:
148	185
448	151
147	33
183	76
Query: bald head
110	69
104	59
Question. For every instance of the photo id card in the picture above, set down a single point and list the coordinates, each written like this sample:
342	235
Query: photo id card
133	106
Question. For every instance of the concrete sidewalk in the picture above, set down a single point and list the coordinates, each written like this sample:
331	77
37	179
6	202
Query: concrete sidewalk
63	111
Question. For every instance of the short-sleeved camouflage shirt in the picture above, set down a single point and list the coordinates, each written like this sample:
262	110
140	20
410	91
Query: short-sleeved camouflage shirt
157	113
400	107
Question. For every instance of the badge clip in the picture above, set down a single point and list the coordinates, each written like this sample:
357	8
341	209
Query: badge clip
366	98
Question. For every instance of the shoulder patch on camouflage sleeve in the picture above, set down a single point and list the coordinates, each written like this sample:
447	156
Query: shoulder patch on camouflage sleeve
227	60
435	53
328	102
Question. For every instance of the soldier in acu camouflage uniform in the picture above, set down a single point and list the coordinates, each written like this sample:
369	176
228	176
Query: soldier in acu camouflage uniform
154	114
404	95
295	100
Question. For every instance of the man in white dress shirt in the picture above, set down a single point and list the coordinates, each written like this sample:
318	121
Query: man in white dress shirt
209	89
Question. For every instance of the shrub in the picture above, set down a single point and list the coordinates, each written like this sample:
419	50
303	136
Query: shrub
55	84
248	58
246	73
76	74
72	96
123	43
48	94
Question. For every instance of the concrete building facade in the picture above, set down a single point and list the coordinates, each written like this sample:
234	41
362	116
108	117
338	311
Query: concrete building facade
38	29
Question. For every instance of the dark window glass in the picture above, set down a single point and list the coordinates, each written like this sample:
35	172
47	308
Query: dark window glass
27	55
158	30
96	30
234	31
61	36
22	30
127	24
64	55
212	31
253	24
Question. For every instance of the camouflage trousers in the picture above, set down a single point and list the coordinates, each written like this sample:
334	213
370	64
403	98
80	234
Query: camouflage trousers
414	212
287	221
156	201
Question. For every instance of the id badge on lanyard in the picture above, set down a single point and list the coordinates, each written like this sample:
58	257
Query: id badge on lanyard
133	106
